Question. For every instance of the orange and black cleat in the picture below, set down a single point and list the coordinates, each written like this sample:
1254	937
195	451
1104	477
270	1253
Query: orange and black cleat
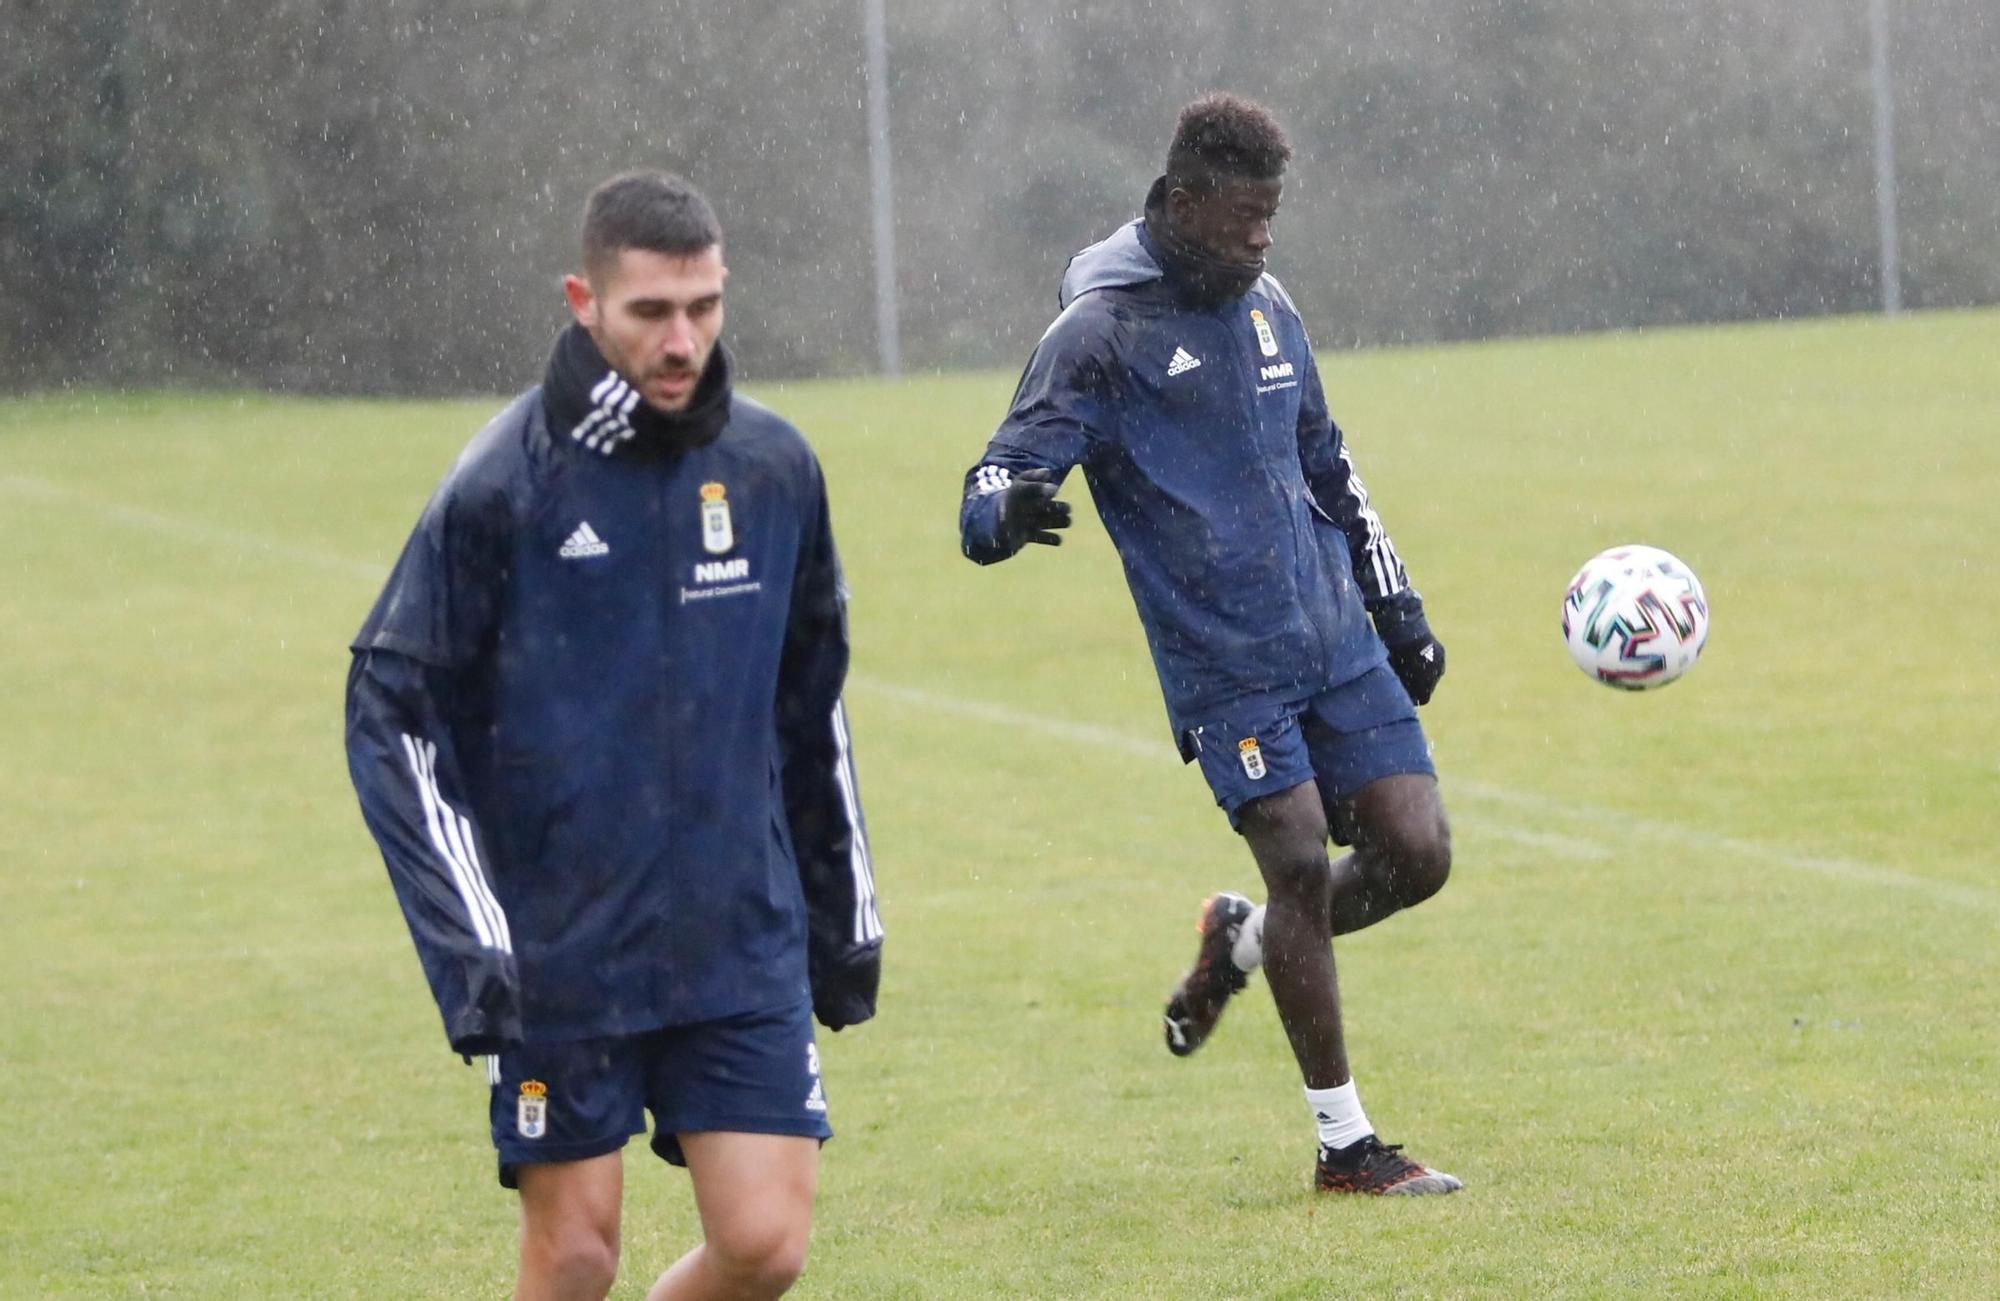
1197	1002
1372	1166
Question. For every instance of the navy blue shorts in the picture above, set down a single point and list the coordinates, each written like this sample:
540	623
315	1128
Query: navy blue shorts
1345	738
752	1074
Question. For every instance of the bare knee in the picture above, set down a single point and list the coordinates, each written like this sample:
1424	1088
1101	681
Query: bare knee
575	1259
1300	880
1415	862
1430	865
1403	845
761	1256
569	1227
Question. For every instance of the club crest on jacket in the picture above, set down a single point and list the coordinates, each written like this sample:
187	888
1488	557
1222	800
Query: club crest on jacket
717	534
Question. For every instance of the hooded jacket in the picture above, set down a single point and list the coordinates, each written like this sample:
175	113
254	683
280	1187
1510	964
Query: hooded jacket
1248	542
594	722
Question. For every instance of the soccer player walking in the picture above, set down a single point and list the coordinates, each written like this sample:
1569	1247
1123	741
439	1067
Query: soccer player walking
1180	378
594	722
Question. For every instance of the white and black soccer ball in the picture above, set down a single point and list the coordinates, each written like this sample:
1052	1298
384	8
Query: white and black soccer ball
1635	618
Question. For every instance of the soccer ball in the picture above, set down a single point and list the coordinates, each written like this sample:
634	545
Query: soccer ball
1635	618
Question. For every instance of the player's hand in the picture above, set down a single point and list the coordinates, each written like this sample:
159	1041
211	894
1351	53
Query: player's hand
1418	664
1029	511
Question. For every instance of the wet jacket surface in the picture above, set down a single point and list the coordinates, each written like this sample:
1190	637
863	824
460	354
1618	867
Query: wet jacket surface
594	723
1247	538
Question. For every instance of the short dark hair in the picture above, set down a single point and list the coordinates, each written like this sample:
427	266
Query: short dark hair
1223	136
656	211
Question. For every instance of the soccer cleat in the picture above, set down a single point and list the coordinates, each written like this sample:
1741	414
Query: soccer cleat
1197	1002
1372	1166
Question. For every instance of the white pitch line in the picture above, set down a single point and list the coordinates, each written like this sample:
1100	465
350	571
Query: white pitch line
1542	842
1125	743
1691	839
1698	841
1685	837
193	530
1105	738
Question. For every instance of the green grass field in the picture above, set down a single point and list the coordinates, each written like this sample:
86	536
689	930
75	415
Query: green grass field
1710	1007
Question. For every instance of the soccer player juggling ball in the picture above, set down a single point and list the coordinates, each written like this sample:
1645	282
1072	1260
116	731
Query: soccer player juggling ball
1180	378
595	724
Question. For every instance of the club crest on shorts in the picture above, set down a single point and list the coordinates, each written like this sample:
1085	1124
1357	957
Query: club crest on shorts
1266	340
1253	758
717	534
531	1113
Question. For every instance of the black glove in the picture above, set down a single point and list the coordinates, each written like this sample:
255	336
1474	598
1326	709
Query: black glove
1416	657
1418	663
844	995
1029	510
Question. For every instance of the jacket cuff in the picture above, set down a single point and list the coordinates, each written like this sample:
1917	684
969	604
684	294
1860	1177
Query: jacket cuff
477	1036
979	530
489	1018
482	1045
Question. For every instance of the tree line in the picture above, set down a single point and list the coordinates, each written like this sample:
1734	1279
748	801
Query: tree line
325	195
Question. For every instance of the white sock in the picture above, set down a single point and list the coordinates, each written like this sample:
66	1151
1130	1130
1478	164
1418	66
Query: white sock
1337	1112
1248	951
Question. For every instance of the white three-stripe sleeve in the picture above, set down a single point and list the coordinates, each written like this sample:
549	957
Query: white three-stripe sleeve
451	835
867	922
1384	565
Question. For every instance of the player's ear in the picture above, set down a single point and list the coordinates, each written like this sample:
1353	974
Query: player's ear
582	300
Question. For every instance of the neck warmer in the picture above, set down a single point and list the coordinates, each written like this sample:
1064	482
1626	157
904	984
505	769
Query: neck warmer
590	404
1201	277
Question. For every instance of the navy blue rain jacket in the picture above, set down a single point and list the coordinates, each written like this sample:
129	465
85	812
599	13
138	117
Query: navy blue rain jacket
1247	538
594	722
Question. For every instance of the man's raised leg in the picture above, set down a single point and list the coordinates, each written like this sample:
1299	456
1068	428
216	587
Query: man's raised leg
755	1195
1402	852
569	1228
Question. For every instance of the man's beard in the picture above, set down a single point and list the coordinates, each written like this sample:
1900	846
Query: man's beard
592	400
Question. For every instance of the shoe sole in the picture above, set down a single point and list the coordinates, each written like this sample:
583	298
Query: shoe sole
1434	1183
1177	1033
